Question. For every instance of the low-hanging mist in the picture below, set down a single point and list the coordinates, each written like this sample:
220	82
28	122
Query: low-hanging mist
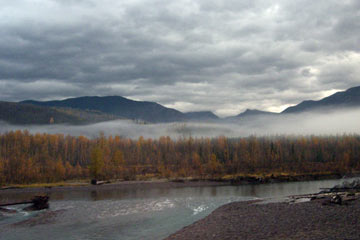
333	123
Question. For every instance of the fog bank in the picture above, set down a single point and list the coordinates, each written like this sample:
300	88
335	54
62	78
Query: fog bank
339	122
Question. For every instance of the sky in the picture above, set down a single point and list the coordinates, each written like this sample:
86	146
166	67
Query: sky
224	56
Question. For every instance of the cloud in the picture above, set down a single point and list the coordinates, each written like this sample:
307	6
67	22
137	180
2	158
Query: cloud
224	56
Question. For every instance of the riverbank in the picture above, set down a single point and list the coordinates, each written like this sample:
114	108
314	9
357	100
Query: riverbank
178	182
139	211
249	220
118	185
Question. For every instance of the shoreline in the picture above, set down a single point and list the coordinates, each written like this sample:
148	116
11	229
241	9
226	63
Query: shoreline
179	182
249	220
119	185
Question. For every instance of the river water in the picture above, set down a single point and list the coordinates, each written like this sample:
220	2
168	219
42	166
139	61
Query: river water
133	214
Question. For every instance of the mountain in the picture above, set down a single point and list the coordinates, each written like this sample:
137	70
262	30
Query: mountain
254	112
250	114
83	110
345	99
17	113
118	106
201	116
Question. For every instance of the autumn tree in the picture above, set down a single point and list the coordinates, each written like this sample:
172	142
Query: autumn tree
214	166
97	163
29	158
118	164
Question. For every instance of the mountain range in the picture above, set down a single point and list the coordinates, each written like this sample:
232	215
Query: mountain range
118	106
91	109
340	100
19	113
346	99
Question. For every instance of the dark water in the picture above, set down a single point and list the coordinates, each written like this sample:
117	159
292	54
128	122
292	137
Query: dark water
136	213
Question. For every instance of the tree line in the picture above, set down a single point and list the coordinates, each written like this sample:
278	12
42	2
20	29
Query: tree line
31	158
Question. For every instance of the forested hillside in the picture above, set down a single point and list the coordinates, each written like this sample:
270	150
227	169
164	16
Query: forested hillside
17	113
118	106
340	100
26	158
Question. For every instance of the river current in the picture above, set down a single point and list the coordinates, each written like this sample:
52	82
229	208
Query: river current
133	214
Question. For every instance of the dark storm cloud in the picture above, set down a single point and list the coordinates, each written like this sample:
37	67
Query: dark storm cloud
193	55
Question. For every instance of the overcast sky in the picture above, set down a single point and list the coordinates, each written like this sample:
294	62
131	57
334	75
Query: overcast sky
223	56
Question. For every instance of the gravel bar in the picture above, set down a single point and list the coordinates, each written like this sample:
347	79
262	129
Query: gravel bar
249	220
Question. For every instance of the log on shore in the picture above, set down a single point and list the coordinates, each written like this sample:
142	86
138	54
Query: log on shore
15	203
38	203
97	182
341	198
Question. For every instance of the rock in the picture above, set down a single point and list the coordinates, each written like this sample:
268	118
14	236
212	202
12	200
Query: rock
38	203
336	199
5	210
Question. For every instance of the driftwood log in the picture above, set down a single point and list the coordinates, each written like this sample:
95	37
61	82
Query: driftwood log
340	194
37	203
97	182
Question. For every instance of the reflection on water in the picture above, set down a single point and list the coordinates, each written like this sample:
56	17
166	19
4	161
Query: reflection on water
134	213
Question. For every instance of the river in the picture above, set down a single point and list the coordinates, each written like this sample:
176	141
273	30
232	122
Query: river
136	213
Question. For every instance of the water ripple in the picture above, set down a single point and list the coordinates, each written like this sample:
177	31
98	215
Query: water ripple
114	209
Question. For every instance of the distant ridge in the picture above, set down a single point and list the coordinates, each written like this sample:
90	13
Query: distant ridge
118	106
340	100
345	99
249	114
254	112
202	115
16	113
92	109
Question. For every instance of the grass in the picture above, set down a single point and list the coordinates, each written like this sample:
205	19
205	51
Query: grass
276	175
153	177
55	184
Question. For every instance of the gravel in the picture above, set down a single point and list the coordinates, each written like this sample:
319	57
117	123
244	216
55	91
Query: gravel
250	220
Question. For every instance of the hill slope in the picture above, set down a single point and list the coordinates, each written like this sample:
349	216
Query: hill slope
345	99
28	114
251	114
118	106
202	115
84	110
